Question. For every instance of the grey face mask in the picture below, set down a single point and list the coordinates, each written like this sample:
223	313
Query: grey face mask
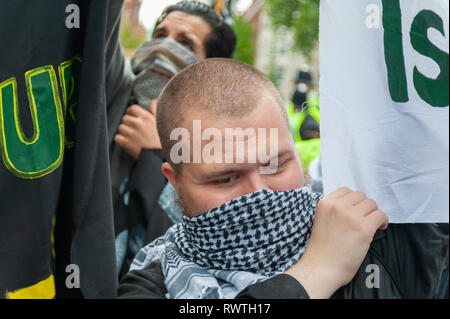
155	63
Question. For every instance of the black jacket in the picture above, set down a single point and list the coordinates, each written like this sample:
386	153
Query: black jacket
140	210
412	260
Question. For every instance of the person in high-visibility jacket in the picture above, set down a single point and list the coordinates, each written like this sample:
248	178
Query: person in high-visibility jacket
304	118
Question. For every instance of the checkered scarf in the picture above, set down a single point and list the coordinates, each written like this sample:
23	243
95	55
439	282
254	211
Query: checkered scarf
249	239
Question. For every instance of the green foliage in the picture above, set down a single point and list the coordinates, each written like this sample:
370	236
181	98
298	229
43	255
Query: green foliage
132	38
299	16
274	71
245	47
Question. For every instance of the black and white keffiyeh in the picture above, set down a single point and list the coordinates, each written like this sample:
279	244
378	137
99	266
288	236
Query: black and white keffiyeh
249	239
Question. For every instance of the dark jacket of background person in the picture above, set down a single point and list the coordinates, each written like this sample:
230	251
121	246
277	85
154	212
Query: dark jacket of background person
136	184
77	192
137	212
412	260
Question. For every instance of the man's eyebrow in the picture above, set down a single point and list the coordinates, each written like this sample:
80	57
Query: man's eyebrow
159	29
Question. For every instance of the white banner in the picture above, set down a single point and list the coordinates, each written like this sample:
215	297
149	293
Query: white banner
384	101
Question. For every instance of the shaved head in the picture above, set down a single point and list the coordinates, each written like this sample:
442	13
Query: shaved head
214	89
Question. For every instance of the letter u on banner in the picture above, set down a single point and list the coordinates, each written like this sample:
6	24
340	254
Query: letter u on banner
42	153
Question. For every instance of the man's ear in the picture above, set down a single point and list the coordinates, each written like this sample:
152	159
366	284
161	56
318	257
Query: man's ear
170	173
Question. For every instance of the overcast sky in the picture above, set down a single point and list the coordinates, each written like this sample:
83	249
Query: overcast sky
151	10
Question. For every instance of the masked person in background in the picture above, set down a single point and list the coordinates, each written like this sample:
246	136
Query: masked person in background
304	117
185	33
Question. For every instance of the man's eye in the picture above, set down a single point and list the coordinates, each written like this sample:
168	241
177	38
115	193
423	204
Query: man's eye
186	45
158	36
277	168
227	180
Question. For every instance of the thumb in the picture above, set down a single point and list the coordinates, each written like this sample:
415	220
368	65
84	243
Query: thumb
377	220
153	107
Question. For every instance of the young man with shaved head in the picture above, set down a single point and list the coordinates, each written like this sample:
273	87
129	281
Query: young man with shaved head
251	229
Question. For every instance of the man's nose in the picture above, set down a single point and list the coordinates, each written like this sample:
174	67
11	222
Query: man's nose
255	182
171	37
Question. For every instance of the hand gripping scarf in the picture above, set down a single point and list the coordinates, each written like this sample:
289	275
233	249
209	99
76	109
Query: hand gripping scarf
219	253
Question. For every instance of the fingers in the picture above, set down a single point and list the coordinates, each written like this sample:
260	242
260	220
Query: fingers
136	121
339	193
120	139
137	111
354	198
153	107
130	120
357	203
137	131
351	198
126	130
377	220
366	206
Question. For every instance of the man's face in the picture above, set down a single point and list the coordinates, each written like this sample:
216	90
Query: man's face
188	30
204	186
